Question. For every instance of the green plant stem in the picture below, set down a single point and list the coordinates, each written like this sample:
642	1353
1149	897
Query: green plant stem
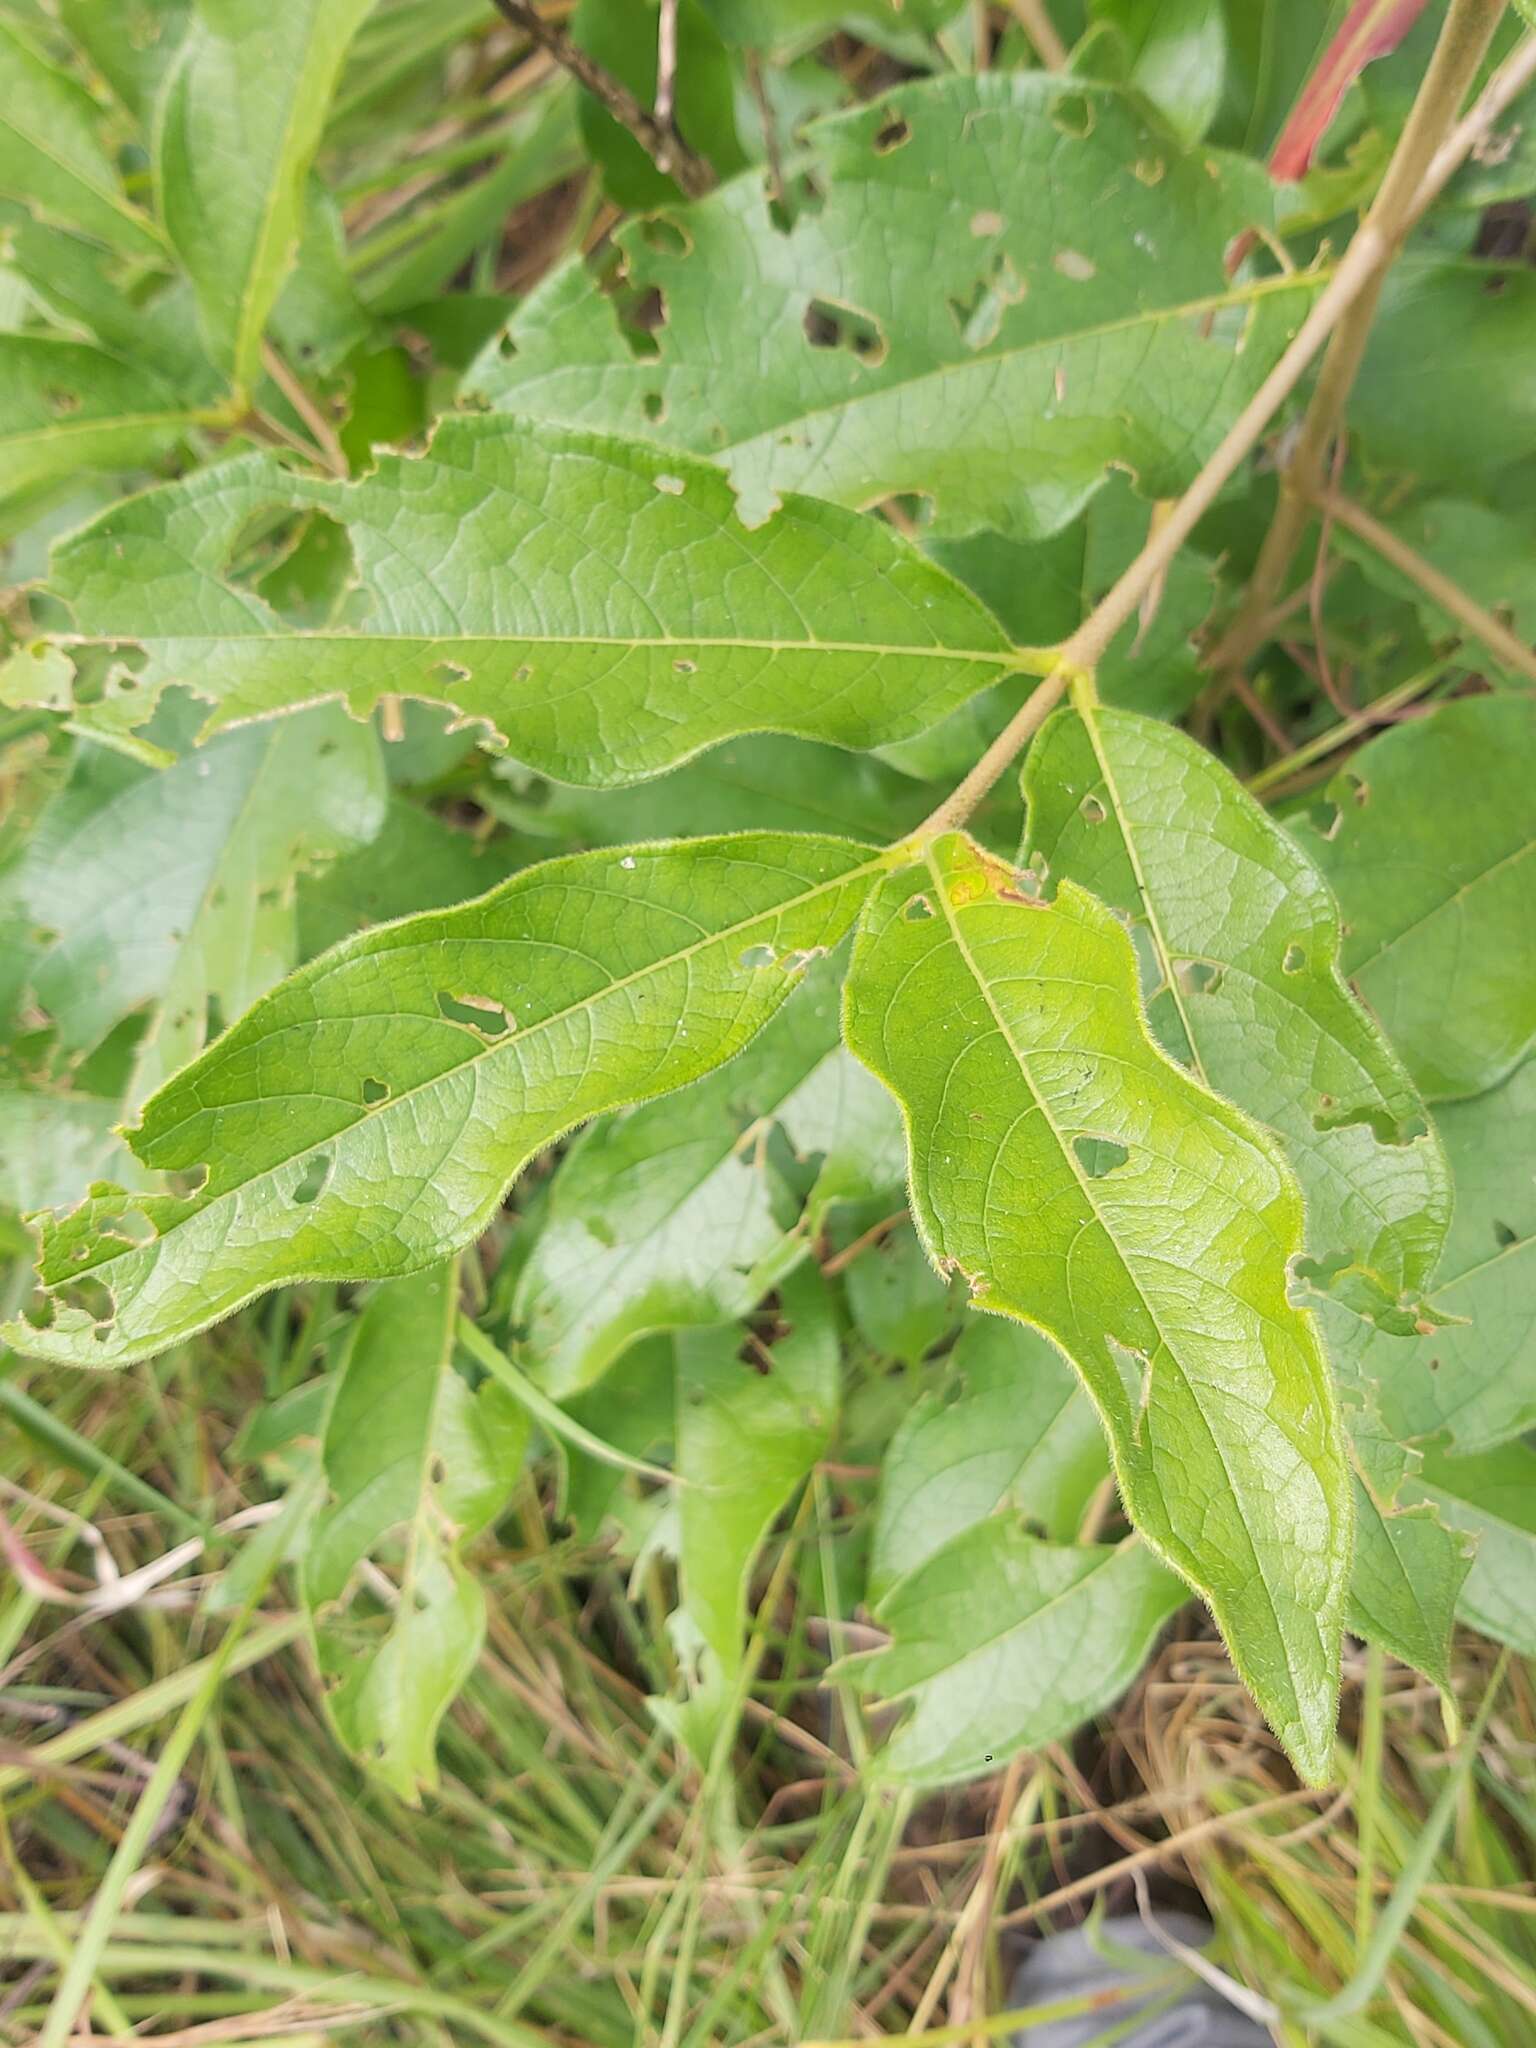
548	1414
1464	38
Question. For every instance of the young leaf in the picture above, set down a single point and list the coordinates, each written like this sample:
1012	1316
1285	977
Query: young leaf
599	604
1244	942
1010	1428
897	1303
51	154
747	1434
238	126
409	1453
1409	1566
1431	854
1493	1498
1002	1643
1085	1184
176	886
364	1119
982	278
676	1215
1472	1376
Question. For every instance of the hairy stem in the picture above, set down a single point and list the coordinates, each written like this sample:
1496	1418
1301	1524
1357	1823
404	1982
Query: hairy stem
1464	38
656	135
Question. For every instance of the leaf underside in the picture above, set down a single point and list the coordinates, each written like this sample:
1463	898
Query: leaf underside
1083	1183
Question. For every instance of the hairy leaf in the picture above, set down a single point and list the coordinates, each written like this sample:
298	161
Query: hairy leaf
991	289
597	603
1009	1428
1431	853
237	130
416	1462
1002	1643
1243	939
677	1214
1471	1374
364	1119
1493	1498
1085	1184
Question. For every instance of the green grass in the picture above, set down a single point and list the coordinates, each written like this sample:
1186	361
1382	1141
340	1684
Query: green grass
573	1880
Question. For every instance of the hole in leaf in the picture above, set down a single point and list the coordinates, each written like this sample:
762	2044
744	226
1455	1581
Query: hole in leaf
89	1294
797	961
1099	1156
1294	959
1202	977
375	1091
1503	1236
758	956
317	1171
654	406
828	325
482	1014
684	667
213	1018
670	486
1074	114
892	135
668	237
917	909
1091	810
641	318
449	675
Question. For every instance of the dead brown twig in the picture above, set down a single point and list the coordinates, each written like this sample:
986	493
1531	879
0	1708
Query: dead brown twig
654	129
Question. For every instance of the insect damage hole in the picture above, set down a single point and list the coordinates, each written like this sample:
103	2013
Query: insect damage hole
917	909
830	325
482	1014
317	1171
375	1091
1099	1156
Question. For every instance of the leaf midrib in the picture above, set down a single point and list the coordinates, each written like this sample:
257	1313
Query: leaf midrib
1005	659
1069	1157
517	1035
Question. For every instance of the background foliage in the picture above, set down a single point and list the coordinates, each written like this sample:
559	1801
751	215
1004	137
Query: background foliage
758	1288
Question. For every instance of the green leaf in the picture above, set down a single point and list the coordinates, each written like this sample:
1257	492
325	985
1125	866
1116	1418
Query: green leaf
747	1434
679	1214
1471	1373
453	1046
131	46
1174	52
1243	941
1490	551
67	406
238	126
622	36
599	604
176	886
1461	329
1042	591
982	281
51	154
1431	854
416	1464
1410	1567
416	863
1002	1643
899	1305
1491	1497
1008	1429
1083	1183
